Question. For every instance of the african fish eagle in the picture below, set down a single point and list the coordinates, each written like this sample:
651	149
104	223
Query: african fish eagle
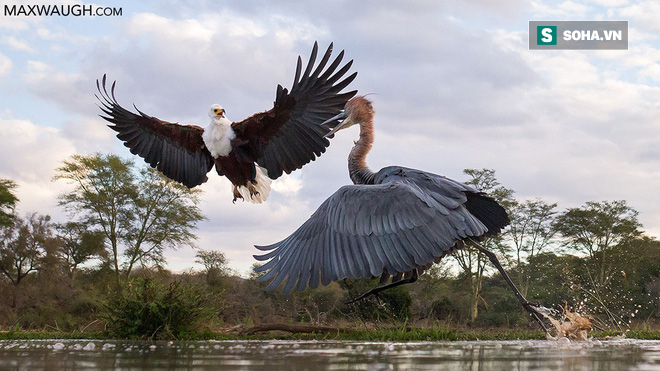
250	152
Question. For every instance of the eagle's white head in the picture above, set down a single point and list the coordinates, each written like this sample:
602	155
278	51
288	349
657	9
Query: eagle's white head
216	112
219	134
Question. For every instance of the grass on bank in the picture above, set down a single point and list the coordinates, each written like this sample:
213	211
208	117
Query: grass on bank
148	310
398	335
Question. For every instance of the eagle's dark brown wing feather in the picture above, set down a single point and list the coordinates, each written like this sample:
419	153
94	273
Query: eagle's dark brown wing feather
289	135
177	151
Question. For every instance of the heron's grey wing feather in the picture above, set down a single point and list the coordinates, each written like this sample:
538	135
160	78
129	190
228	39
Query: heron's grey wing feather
362	230
451	194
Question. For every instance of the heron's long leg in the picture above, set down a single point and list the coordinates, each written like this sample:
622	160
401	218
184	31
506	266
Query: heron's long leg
526	304
376	290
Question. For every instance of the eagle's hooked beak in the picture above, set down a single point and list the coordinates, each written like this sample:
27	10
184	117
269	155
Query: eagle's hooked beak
341	116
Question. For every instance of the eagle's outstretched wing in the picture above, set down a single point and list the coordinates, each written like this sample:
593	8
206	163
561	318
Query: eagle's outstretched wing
289	135
177	151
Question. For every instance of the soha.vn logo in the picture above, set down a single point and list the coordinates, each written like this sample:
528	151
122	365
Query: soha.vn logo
546	35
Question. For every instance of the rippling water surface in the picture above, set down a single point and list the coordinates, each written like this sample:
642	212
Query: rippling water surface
331	355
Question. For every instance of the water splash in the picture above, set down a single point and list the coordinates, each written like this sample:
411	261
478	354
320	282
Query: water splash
569	325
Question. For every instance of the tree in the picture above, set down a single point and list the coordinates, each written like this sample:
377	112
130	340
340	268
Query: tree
139	211
104	186
80	244
7	202
24	244
215	264
471	262
165	213
431	293
531	230
596	228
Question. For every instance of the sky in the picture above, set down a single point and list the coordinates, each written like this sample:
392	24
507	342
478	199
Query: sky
454	86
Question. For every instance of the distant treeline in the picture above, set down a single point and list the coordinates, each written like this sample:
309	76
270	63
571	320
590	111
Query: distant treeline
103	269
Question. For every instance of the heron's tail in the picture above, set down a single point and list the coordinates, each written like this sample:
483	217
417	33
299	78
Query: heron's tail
488	211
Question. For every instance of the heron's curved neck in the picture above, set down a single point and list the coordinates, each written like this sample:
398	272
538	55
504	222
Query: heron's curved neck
357	166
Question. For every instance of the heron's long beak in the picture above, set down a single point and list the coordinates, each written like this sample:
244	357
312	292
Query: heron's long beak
343	115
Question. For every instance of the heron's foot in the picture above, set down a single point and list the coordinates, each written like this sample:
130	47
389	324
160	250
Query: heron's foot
538	308
540	313
541	310
531	307
530	304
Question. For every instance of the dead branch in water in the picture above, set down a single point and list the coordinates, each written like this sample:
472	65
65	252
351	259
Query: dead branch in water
292	328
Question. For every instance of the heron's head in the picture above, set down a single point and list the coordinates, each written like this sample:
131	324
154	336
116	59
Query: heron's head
356	111
216	111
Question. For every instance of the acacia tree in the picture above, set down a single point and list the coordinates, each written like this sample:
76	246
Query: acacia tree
596	228
103	188
215	265
531	230
165	213
24	244
471	261
8	201
138	211
79	244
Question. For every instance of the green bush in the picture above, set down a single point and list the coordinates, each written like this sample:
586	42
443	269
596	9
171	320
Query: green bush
146	309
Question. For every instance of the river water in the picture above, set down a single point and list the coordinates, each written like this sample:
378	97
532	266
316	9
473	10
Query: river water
622	354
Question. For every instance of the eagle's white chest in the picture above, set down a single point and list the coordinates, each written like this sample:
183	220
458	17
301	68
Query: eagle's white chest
218	136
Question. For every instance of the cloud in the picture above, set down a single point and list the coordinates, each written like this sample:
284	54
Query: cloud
287	184
187	29
609	3
90	135
454	87
71	91
19	45
5	65
652	71
643	15
31	153
564	9
34	150
176	68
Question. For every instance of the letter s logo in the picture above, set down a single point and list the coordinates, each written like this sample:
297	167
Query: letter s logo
547	33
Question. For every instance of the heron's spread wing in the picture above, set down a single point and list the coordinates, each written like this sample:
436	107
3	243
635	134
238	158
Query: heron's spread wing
362	230
290	135
176	150
479	204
